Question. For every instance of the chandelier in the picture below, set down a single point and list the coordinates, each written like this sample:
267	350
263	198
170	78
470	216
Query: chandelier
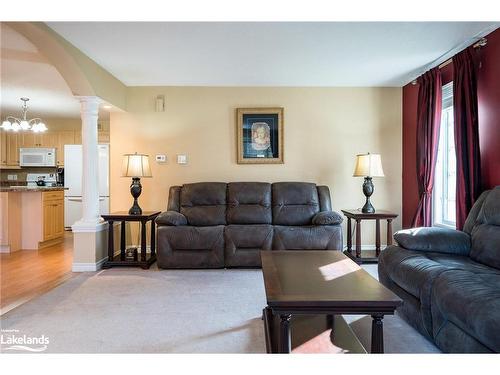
16	124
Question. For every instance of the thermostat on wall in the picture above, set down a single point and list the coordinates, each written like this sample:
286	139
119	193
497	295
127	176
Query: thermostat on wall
182	159
161	158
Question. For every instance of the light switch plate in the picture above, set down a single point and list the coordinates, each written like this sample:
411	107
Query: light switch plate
181	159
12	177
161	158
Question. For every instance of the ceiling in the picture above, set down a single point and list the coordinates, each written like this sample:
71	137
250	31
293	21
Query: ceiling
266	54
25	72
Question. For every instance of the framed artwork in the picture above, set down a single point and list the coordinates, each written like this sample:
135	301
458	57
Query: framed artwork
259	135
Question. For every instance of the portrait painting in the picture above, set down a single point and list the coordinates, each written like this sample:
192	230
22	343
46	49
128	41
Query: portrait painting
260	135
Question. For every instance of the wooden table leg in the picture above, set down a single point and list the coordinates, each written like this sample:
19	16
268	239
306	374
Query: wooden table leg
389	232
153	239
358	238
143	241
377	334
377	237
285	337
349	235
111	243
122	241
268	318
330	320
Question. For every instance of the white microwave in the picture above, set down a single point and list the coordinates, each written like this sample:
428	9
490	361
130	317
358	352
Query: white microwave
37	157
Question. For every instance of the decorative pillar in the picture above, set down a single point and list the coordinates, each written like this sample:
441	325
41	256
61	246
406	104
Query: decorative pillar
89	235
90	186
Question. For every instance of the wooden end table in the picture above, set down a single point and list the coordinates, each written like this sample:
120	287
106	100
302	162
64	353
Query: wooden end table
358	216
143	260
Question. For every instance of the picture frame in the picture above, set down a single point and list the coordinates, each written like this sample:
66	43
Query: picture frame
260	137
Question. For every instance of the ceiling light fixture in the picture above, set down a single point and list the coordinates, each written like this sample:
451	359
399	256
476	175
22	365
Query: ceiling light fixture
23	124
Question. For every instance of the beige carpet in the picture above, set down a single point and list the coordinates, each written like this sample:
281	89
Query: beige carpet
175	311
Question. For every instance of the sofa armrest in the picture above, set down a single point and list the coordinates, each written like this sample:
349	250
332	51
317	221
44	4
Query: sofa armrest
440	240
172	218
327	218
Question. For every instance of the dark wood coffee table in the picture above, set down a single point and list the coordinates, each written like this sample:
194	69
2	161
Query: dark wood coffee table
320	282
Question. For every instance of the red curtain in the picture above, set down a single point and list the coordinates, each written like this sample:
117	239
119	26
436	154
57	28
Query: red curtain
428	123
466	133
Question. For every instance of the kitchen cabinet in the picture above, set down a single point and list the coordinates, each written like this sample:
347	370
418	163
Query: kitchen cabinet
64	138
53	215
11	142
12	149
3	149
103	137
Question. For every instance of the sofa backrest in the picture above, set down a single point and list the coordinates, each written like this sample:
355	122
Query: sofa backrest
204	203
485	230
249	203
294	203
218	203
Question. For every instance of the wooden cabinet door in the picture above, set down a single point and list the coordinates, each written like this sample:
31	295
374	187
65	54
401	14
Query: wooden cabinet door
58	212
30	140
48	140
48	220
78	137
64	138
12	143
3	149
103	137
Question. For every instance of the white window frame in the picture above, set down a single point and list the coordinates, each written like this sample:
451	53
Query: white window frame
438	211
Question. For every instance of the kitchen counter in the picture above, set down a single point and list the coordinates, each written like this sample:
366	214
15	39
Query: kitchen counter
7	189
31	218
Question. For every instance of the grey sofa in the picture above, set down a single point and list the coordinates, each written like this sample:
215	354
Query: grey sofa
215	224
450	280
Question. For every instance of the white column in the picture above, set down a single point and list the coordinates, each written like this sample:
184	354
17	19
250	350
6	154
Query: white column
89	110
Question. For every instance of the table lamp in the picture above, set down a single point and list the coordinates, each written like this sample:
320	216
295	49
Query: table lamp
135	166
368	166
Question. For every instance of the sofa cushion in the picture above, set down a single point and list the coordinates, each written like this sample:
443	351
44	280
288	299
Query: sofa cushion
294	203
171	218
470	301
321	237
249	203
204	203
243	244
190	247
486	232
327	218
441	240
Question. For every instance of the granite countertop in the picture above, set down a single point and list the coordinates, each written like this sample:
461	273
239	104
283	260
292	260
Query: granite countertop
31	188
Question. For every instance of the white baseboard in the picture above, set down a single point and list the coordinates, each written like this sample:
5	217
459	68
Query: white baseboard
88	267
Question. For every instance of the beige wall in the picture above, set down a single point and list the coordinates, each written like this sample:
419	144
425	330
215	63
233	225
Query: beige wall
324	129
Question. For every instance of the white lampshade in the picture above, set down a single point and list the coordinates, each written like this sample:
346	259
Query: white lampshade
368	165
136	165
15	126
42	127
24	125
6	125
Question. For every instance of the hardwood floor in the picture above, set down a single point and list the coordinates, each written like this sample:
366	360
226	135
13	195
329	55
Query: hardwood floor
26	274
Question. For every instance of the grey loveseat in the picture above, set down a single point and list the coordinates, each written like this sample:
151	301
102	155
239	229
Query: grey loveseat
215	224
450	280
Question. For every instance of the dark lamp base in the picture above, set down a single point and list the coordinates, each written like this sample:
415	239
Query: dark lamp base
368	191
135	190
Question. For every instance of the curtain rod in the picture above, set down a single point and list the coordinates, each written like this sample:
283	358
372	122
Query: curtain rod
476	41
481	43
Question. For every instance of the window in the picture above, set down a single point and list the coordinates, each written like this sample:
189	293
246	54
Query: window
445	175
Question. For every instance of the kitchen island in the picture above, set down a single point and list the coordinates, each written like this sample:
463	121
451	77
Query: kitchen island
31	218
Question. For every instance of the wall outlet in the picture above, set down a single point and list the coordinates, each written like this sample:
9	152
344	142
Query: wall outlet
161	158
12	177
182	159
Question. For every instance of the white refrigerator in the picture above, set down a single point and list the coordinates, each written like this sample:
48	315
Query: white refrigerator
73	182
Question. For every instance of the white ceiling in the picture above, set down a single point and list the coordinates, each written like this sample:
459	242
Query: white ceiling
25	72
266	54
